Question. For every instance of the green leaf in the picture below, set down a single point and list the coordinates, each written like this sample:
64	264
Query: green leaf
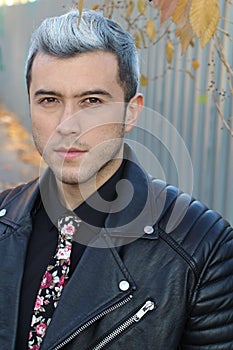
202	99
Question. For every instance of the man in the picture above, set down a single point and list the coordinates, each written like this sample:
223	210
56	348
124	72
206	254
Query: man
131	283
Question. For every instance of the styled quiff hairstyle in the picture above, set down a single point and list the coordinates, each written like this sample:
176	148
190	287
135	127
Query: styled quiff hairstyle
68	36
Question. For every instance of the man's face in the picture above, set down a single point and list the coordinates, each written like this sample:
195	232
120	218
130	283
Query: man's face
77	111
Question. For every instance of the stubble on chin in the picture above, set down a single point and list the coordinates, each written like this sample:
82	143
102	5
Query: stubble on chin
98	159
103	164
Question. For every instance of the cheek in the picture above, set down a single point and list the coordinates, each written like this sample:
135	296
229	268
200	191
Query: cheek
42	127
104	133
44	131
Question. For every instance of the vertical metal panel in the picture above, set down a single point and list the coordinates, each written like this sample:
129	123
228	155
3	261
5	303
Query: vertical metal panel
176	97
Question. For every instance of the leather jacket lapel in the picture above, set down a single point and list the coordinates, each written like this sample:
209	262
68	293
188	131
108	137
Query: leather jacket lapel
93	288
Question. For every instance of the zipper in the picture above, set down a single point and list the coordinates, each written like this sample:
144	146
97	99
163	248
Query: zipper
148	306
93	320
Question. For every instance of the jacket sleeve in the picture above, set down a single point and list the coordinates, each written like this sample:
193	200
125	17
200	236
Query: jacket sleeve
210	319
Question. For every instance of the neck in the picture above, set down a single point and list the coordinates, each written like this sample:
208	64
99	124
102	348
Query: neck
72	195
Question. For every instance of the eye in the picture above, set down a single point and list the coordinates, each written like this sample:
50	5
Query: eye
91	101
47	101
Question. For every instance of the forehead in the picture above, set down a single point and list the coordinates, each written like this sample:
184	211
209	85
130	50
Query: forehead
106	62
82	71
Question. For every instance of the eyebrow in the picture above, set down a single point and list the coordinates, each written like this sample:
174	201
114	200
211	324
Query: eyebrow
83	94
95	92
47	92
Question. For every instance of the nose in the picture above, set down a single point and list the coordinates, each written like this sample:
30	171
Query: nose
69	122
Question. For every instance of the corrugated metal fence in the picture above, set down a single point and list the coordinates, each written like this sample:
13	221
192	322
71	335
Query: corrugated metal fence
188	106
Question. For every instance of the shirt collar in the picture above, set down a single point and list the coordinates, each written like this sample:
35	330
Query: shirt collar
92	212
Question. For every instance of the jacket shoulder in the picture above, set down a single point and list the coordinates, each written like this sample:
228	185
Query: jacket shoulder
181	213
10	193
19	201
190	226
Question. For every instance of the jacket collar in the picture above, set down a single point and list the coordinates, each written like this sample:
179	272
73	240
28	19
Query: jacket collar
139	203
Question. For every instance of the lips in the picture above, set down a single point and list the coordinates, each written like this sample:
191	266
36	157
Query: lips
70	153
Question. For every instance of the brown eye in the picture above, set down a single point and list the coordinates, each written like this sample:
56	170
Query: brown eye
49	100
92	100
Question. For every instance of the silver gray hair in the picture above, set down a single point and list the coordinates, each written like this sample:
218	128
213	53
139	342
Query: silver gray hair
63	36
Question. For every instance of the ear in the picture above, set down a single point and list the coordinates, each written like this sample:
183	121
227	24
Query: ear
133	110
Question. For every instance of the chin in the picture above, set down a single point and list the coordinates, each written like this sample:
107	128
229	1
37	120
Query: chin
75	178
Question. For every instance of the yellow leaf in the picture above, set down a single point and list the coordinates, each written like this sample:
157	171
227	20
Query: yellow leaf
80	8
167	9
150	29
169	51
142	6
195	64
137	40
129	8
143	80
181	13
185	35
95	7
204	18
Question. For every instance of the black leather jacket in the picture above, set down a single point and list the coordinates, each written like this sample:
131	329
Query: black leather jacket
170	288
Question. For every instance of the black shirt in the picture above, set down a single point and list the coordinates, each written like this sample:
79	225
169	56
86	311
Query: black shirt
43	242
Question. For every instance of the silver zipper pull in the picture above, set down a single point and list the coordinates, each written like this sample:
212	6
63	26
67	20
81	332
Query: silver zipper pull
148	306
